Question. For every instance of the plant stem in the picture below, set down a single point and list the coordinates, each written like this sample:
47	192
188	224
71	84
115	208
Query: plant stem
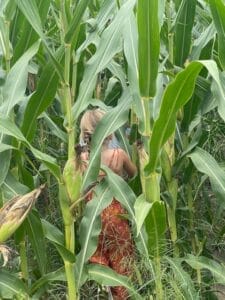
145	104
7	47
69	268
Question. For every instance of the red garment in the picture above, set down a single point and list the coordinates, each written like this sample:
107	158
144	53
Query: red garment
115	247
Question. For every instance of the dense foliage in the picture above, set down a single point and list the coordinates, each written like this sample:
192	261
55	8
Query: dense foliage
157	69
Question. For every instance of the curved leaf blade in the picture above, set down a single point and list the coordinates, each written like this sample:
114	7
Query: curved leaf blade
175	96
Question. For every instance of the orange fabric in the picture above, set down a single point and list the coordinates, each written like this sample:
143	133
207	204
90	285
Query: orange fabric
115	247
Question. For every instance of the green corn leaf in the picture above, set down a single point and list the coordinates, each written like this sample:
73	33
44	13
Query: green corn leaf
175	96
141	208
11	286
148	46
36	236
12	187
52	233
90	227
29	36
184	279
202	41
106	276
218	12
206	164
30	10
58	275
130	36
76	20
41	98
16	81
55	236
156	225
202	262
183	31
55	130
9	128
110	122
110	44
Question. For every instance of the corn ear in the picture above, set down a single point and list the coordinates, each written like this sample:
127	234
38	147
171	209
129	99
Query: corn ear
13	213
65	205
72	176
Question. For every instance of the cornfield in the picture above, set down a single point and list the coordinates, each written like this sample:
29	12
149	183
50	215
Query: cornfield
157	69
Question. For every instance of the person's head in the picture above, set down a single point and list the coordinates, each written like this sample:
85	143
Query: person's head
88	123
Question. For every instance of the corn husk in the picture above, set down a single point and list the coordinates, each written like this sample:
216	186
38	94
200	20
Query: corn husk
13	213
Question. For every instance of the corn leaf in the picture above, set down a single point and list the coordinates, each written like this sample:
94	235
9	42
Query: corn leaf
148	46
58	275
156	225
90	227
110	44
206	164
175	96
16	81
201	262
11	286
218	12
9	128
36	236
106	276
183	31
28	35
183	278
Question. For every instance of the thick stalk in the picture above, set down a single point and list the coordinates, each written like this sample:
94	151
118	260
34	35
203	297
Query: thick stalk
151	187
69	268
145	104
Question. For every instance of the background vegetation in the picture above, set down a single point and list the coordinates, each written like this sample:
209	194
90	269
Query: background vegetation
157	68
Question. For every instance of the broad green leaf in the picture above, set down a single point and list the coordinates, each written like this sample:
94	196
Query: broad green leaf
30	10
4	164
4	147
58	275
201	262
106	276
55	130
130	36
184	279
148	46
76	20
9	128
11	286
183	31
90	227
206	164
110	44
156	225
177	93
202	41
36	236
41	99
52	233
12	187
110	122
27	35
55	236
218	12
16	81
141	208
